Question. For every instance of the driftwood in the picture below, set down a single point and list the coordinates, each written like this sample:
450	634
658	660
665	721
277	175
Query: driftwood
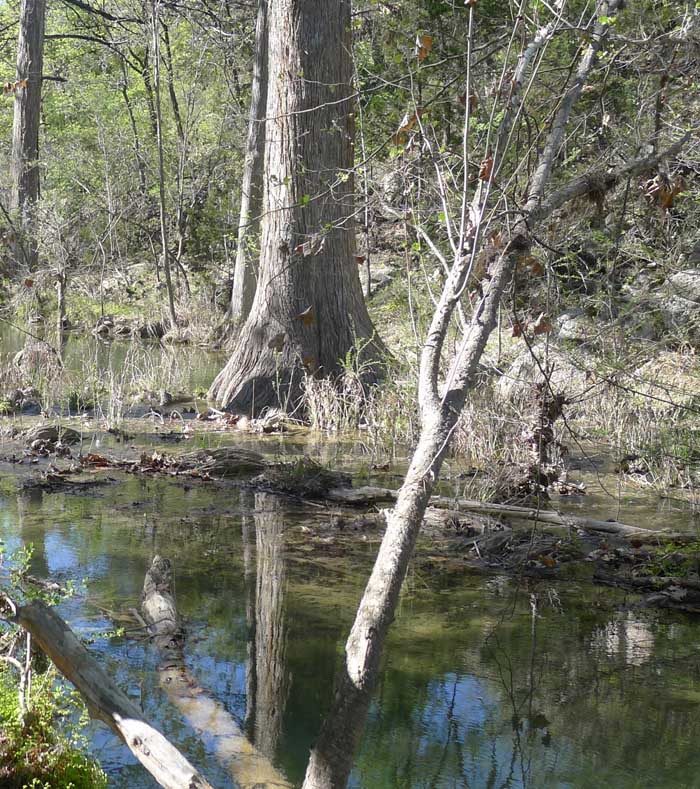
373	495
248	767
105	701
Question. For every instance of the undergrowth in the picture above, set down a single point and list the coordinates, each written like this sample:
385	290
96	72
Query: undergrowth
46	751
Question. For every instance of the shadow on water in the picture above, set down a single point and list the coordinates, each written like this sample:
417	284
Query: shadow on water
482	686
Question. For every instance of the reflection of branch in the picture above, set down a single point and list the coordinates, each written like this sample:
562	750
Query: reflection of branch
451	727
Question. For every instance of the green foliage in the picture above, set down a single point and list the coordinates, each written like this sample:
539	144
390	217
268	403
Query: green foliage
674	560
41	745
47	750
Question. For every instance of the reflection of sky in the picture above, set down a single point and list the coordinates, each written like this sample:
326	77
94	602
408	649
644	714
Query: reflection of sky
434	722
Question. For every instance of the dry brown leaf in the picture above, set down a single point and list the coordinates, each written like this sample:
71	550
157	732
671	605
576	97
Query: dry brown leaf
424	45
307	316
486	168
542	325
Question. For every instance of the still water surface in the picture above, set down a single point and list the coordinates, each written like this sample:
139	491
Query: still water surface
481	687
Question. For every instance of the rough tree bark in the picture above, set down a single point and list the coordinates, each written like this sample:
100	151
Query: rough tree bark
245	271
308	310
332	756
25	131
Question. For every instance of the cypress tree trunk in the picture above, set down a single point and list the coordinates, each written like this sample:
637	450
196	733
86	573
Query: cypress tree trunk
308	310
245	271
25	131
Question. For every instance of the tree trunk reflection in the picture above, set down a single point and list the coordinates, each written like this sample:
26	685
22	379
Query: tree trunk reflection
271	684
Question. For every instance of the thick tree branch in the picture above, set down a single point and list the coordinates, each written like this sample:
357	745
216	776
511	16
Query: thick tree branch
104	14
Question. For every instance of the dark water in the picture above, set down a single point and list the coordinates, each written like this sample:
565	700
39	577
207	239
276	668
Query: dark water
553	686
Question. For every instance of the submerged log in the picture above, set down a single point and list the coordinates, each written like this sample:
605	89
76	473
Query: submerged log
248	767
373	495
105	701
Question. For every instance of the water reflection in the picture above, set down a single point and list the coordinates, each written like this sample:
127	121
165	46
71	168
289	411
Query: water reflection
271	686
481	686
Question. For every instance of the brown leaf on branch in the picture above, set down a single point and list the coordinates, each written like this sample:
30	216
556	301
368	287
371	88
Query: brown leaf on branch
406	125
486	168
424	45
542	325
517	329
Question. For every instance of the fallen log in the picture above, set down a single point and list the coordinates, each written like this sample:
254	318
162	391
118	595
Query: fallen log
105	701
247	766
373	495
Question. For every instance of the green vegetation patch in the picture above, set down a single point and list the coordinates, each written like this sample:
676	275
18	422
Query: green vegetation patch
46	750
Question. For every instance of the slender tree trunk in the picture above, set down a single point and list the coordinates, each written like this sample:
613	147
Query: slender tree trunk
140	164
25	132
61	287
245	271
161	168
308	310
332	757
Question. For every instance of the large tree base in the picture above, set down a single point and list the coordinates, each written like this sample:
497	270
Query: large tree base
268	370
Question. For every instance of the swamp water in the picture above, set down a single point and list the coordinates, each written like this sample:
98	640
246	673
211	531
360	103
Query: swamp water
483	685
